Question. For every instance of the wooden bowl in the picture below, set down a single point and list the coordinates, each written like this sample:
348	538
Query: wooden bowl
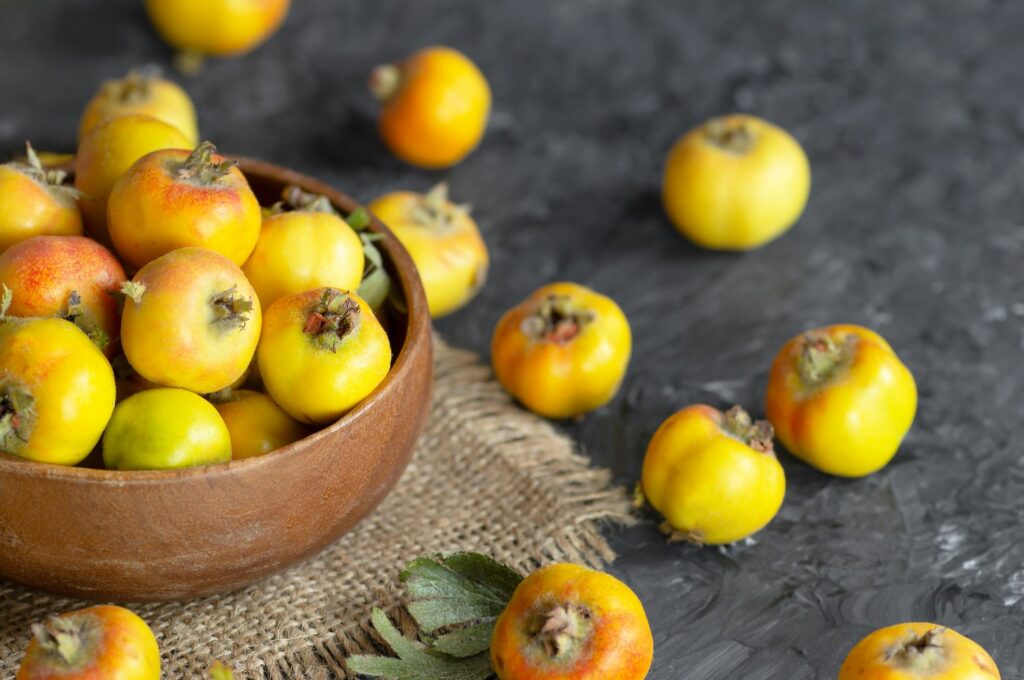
180	534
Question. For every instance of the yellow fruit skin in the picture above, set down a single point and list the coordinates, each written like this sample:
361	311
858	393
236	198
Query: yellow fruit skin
728	200
216	27
302	250
439	113
159	98
172	336
27	209
107	152
165	428
452	262
619	645
563	380
71	384
708	484
257	424
150	212
853	424
957	658
125	649
313	384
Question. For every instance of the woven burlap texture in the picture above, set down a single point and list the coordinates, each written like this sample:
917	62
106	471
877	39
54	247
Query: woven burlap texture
486	476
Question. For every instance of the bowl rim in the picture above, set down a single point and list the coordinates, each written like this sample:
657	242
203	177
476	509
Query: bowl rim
417	317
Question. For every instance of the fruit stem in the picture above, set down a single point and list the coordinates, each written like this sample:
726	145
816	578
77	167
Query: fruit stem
231	309
731	135
821	358
199	168
385	81
434	210
757	434
921	654
188	62
557	320
564	627
298	199
332	319
134	291
62	637
75	313
6	298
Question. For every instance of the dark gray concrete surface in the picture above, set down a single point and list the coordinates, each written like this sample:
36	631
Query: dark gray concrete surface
912	115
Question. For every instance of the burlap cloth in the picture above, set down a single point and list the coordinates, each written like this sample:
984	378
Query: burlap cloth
487	476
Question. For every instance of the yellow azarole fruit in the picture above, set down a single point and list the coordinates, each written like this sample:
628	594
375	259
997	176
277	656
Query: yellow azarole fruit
216	27
735	183
141	93
444	242
35	201
257	424
712	475
918	651
563	351
840	399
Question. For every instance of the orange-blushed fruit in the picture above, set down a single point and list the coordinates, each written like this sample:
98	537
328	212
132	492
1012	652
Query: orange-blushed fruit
72	277
98	642
173	198
107	152
143	92
568	622
322	352
56	389
305	248
256	423
35	201
840	399
735	183
216	27
435	106
918	651
563	351
713	475
444	242
191	320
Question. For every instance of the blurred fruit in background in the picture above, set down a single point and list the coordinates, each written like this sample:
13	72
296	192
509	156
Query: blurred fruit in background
35	201
107	152
735	183
444	242
144	92
219	28
435	106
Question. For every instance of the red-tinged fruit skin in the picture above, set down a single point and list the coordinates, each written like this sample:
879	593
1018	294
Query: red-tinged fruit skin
72	277
568	622
191	320
98	643
174	198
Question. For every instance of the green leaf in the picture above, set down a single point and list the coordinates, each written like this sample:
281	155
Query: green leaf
457	589
358	219
463	642
415	661
376	283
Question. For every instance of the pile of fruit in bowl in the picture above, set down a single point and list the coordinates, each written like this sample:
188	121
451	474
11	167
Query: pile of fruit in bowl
169	319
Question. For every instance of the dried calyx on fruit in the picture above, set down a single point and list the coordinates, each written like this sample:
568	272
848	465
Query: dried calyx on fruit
757	434
74	312
557	319
729	135
920	654
563	629
228	309
332	319
823	359
134	88
34	169
199	168
435	212
71	640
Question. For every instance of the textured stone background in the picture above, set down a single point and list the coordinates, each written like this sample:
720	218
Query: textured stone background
911	114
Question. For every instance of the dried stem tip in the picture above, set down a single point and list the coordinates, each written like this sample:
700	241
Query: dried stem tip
385	80
730	135
758	434
557	319
332	319
200	169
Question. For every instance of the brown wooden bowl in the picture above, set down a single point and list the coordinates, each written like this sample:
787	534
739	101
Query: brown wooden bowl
180	534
